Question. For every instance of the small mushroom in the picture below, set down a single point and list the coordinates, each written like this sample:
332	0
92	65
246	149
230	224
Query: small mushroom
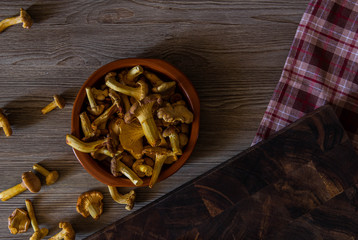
175	112
51	177
86	127
138	93
90	203
23	18
93	108
18	222
118	167
133	73
86	147
160	155
29	181
127	159
38	233
58	101
143	111
159	86
67	232
103	118
127	199
142	169
173	135
5	124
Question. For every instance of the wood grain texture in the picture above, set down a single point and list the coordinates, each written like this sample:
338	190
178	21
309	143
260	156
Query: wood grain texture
232	51
273	190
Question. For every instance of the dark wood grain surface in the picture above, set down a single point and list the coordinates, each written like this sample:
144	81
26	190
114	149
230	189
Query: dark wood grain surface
232	51
282	188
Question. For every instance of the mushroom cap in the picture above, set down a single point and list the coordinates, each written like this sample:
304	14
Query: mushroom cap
169	131
26	19
86	199
52	177
18	222
143	87
67	231
114	165
60	102
31	182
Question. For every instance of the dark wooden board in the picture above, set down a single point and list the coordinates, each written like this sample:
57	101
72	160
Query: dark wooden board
298	183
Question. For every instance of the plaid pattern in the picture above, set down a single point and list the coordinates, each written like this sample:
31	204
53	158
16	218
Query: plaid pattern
321	69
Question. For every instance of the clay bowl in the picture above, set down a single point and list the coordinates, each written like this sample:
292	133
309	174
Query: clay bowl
100	171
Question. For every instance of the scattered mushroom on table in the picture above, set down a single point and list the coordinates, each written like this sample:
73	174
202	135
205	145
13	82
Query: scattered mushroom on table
90	203
144	114
19	221
39	233
58	101
67	232
23	18
29	182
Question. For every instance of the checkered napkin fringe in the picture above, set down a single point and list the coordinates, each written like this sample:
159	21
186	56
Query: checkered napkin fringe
321	69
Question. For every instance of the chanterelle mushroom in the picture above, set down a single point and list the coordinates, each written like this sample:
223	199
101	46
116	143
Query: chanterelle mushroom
67	232
161	154
4	124
131	137
138	93
19	221
175	112
143	111
93	108
127	199
23	18
118	167
159	86
142	169
90	203
86	147
173	135
58	101
51	177
29	181
38	233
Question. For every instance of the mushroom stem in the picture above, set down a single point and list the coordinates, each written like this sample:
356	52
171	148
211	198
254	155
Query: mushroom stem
126	103
32	216
104	116
150	129
90	97
138	93
51	106
94	212
4	124
12	192
158	164
175	143
58	101
127	199
121	167
38	233
51	177
85	147
86	126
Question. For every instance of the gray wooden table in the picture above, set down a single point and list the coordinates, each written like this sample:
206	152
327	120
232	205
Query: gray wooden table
232	51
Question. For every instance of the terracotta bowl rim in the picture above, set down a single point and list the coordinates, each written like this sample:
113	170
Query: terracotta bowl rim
159	66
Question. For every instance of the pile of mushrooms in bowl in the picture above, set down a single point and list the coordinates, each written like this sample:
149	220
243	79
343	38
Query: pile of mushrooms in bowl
134	122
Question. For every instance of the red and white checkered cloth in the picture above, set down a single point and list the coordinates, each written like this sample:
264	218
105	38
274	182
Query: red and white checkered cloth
321	69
